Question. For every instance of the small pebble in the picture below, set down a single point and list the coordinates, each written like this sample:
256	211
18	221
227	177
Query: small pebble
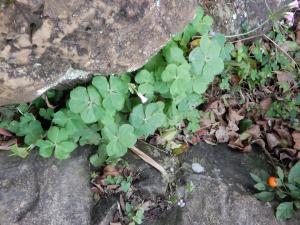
197	168
181	203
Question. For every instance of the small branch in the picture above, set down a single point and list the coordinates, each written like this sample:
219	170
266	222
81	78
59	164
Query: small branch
282	50
249	32
248	38
150	161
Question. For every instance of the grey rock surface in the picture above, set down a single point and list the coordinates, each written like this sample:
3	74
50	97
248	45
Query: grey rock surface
38	191
51	37
97	36
232	16
223	193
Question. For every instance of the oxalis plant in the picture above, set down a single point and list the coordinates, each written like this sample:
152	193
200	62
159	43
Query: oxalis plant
113	112
285	187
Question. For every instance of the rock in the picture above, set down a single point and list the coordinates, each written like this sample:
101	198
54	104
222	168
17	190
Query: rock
54	42
223	194
150	181
232	16
48	37
45	191
197	168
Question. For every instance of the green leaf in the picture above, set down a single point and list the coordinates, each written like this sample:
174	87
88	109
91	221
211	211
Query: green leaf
265	196
56	135
179	77
22	152
58	139
46	148
79	99
146	119
63	150
260	186
69	120
139	216
34	132
294	173
118	139
87	102
280	173
99	158
285	211
206	58
89	136
113	92
256	178
46	113
144	76
173	54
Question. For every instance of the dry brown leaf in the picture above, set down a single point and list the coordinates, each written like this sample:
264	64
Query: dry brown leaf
265	104
222	135
296	138
254	131
232	126
234	116
5	145
237	144
272	140
286	77
284	134
5	132
217	107
260	142
112	186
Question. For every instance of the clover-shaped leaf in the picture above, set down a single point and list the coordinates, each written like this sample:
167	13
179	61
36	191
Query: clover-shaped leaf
72	122
145	80
113	92
46	113
200	24
58	142
29	127
173	54
118	139
206	59
179	76
87	102
146	119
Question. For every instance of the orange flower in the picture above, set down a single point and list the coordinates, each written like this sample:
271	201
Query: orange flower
272	182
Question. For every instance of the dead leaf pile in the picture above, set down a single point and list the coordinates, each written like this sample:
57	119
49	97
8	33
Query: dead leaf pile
243	125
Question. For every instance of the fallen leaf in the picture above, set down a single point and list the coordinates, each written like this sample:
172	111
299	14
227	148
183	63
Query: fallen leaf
265	104
286	77
217	107
222	135
254	131
5	132
296	138
272	140
284	134
112	186
181	149
5	145
234	116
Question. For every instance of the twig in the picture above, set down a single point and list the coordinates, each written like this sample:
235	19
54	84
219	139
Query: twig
150	161
282	50
153	146
249	32
247	38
